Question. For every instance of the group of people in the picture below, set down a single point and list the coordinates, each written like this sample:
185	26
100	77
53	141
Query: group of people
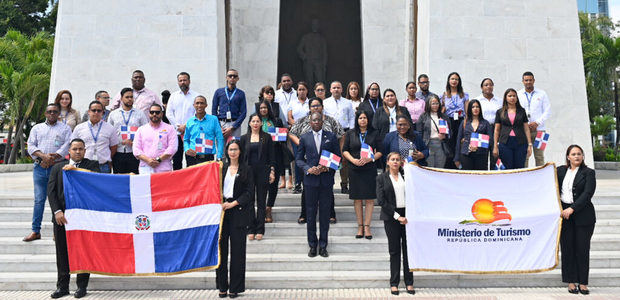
371	131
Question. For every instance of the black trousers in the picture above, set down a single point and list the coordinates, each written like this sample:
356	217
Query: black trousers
261	185
177	158
575	246
273	189
397	243
125	163
318	199
194	160
62	261
332	213
474	161
235	236
454	126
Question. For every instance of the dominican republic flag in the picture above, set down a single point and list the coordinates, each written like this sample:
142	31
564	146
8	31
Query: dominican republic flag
329	160
204	146
499	165
278	134
479	140
367	151
541	140
128	132
443	126
151	224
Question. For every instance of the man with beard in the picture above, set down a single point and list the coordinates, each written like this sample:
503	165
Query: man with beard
284	96
423	84
142	97
179	110
104	98
124	120
155	143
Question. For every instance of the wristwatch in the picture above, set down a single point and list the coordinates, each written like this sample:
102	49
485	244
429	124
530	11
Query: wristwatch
158	159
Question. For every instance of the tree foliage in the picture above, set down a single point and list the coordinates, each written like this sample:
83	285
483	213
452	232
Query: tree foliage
28	16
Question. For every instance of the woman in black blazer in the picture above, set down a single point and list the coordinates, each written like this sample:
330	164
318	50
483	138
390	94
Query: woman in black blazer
577	185
391	198
512	135
468	156
259	155
385	118
238	187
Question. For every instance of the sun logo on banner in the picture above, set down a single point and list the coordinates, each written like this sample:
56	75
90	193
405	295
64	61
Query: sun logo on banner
486	211
143	222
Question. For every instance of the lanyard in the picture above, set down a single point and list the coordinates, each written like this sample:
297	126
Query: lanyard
289	96
230	97
64	118
363	140
128	119
95	137
529	101
374	107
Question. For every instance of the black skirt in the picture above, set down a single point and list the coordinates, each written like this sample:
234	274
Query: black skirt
362	183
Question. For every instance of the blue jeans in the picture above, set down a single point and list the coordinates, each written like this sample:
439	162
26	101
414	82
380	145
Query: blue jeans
40	177
299	173
105	168
512	153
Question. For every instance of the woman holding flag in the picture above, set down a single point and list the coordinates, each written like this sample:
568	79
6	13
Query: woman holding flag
406	142
472	142
259	155
434	126
512	134
362	148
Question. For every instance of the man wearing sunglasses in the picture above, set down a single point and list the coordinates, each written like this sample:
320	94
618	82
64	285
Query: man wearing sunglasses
48	143
229	106
155	143
100	137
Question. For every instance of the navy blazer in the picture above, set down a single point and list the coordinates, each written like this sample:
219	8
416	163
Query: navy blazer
390	144
583	189
464	136
307	157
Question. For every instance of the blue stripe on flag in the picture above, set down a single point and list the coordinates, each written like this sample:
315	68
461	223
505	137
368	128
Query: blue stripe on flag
95	191
186	249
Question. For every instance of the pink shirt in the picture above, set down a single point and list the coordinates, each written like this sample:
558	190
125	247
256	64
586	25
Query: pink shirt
512	116
154	142
415	107
142	100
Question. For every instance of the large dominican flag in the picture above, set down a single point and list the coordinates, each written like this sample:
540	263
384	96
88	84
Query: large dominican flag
149	224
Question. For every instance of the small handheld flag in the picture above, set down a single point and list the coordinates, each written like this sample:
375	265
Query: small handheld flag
128	132
499	165
410	159
443	126
204	146
367	151
479	140
278	134
329	160
541	140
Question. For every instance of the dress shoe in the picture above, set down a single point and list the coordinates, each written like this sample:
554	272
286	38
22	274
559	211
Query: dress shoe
359	236
81	292
312	252
268	217
584	291
411	291
323	252
301	221
297	189
233	295
367	236
394	292
259	237
333	221
32	236
222	295
59	293
344	190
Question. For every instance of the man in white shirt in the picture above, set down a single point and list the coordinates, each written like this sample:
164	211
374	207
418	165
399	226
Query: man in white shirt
538	109
285	95
180	108
489	105
342	110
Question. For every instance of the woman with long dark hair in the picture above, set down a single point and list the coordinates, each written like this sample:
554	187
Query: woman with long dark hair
512	135
436	141
67	115
454	101
353	93
363	170
577	185
385	118
259	155
472	157
238	187
372	100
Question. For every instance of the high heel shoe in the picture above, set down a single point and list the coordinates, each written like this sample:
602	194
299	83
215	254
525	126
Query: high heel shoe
359	236
223	295
259	237
394	292
574	290
268	217
585	291
410	291
369	236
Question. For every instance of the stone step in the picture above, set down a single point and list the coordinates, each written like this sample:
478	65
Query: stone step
305	279
277	262
284	245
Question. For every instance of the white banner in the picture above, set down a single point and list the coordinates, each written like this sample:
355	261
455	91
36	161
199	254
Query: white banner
482	221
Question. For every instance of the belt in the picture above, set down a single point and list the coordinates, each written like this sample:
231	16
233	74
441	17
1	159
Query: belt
227	120
203	156
229	199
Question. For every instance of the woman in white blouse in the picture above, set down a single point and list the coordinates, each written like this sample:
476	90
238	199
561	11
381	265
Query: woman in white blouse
391	198
577	185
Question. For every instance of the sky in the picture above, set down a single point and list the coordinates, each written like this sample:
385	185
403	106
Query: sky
614	10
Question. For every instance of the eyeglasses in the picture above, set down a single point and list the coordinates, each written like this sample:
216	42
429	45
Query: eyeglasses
232	76
422	82
97	110
155	112
52	112
316	105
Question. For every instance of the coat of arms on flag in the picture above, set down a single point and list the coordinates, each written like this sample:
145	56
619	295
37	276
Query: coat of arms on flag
443	126
479	140
149	224
499	165
203	145
128	132
366	151
541	140
278	134
329	160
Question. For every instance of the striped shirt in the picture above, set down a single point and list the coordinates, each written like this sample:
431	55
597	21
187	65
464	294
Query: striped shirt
131	118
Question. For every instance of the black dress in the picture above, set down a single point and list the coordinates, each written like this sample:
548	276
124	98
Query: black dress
362	179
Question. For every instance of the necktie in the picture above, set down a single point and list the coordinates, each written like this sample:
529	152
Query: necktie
317	142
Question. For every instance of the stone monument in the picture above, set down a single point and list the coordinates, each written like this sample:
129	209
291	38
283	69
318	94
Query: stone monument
312	50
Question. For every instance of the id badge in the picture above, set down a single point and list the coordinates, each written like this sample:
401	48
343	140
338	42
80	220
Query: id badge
228	115
160	145
95	157
455	115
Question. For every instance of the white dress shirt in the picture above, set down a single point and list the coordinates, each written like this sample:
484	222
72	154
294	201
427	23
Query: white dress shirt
181	107
284	99
567	185
229	184
399	191
298	109
538	107
489	107
340	109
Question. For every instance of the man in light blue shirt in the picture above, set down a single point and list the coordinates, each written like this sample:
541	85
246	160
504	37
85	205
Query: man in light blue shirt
203	135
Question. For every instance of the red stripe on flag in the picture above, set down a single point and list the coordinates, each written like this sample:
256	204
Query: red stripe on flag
186	188
101	251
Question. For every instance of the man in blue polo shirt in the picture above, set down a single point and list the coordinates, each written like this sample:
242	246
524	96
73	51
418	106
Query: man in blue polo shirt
203	136
229	106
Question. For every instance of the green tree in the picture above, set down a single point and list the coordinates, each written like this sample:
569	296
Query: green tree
25	65
28	16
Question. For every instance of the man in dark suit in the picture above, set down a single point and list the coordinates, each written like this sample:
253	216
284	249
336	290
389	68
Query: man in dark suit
318	180
56	196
